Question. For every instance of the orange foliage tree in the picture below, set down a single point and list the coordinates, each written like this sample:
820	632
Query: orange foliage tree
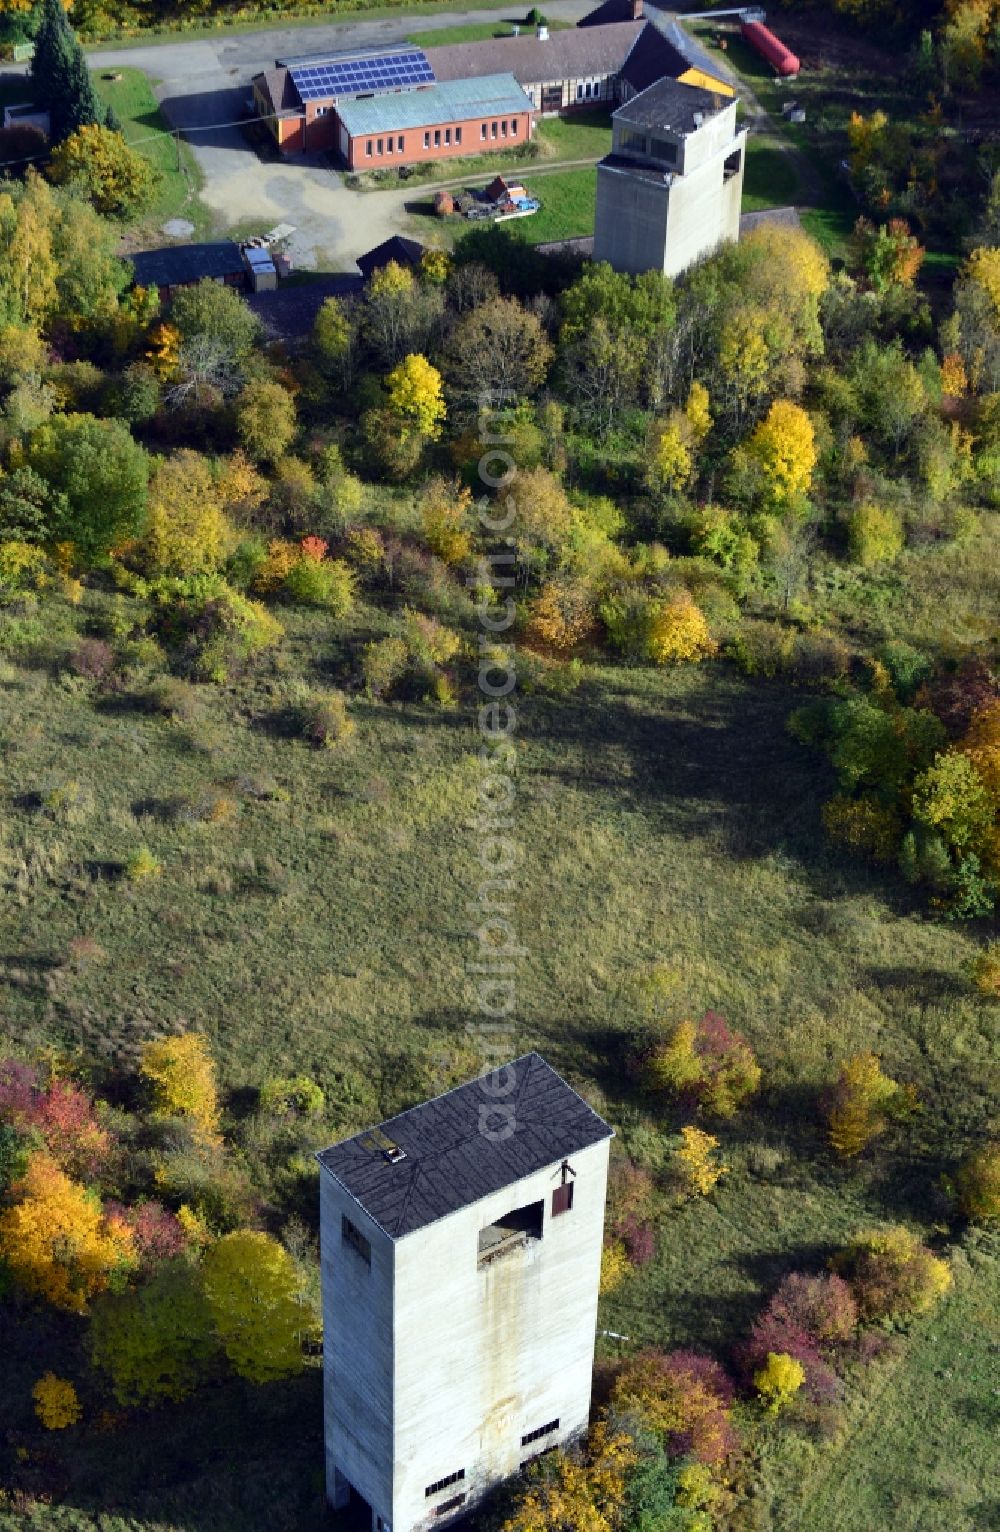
685	1398
57	1240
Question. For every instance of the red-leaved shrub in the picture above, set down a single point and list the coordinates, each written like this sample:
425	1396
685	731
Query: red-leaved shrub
158	1233
18	1085
638	1239
62	1115
957	698
808	1318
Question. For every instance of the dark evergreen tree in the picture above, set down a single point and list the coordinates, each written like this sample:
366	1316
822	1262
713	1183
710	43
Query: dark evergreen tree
81	106
54	49
59	74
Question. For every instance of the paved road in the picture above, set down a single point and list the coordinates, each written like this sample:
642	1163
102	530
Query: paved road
202	88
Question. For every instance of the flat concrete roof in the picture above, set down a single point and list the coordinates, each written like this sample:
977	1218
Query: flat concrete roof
672	106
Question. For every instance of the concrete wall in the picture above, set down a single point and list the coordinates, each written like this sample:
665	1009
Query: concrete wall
700	147
484	1356
704	209
630	221
434	1365
644	224
357	1351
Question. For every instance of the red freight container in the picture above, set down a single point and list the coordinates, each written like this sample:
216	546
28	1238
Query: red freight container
770	47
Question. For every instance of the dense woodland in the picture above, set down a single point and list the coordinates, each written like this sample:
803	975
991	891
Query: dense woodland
766	493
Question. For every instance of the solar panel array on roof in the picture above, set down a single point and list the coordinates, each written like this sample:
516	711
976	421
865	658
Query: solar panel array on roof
355	76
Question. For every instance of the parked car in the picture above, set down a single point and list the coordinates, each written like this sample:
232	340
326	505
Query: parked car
478	211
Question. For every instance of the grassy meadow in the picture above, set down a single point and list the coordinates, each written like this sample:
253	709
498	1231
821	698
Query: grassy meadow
311	917
130	93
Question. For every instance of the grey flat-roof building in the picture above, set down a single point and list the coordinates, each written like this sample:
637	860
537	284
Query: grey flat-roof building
461	1253
669	192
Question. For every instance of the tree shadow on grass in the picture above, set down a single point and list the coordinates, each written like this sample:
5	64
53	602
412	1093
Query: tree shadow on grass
231	1456
714	761
920	985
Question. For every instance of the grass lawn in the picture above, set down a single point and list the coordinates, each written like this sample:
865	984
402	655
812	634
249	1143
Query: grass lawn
567	211
308	16
142	121
321	926
584	135
919	1450
770	178
474	32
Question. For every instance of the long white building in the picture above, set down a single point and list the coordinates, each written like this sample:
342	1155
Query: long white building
461	1253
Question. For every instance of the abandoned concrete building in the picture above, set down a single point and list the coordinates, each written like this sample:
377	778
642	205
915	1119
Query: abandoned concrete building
461	1253
670	191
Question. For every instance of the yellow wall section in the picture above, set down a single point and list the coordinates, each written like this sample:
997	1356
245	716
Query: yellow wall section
706	81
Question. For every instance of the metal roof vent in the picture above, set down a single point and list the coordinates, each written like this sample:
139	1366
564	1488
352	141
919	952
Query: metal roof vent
699	118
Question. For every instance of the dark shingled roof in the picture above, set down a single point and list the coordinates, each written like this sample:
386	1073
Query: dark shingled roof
652	58
449	1163
405	252
567	55
176	265
278	88
671	105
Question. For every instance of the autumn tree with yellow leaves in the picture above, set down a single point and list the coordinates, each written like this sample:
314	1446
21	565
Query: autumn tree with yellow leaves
57	1241
118	180
57	1403
259	1311
863	1103
180	1073
187	532
783	447
579	1493
416	397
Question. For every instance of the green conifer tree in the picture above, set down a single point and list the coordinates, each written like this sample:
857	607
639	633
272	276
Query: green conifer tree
59	74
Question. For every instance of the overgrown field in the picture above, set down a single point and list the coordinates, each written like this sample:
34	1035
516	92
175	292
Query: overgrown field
311	917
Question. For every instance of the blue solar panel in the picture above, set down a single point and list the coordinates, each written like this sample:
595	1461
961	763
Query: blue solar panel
352	76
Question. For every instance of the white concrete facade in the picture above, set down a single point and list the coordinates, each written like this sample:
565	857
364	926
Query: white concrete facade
666	199
437	1364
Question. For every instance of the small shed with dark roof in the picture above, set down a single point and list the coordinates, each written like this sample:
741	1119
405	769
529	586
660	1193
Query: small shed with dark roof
399	250
436	1158
176	266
